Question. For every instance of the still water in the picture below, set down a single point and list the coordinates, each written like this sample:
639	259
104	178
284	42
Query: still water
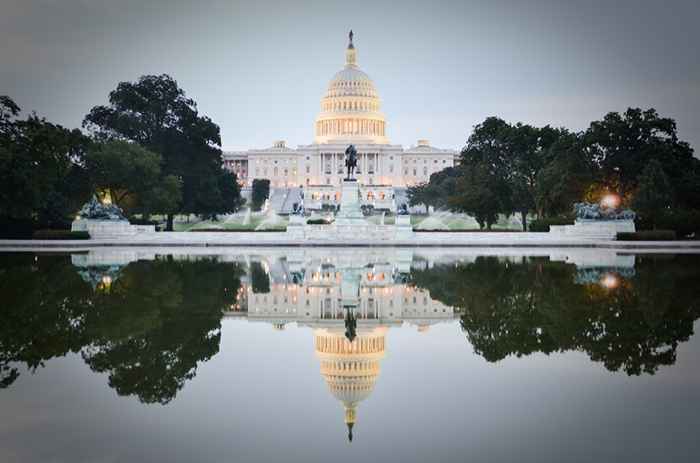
349	355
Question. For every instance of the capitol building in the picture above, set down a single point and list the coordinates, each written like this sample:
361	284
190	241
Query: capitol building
350	113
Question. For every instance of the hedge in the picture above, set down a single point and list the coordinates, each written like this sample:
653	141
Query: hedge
317	222
647	235
60	235
542	225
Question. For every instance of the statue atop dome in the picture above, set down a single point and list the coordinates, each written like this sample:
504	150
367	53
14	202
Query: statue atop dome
350	36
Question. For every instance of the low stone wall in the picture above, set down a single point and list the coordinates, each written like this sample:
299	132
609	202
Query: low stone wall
111	229
593	229
350	231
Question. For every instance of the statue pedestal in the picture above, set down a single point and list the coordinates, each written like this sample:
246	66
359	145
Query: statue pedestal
350	210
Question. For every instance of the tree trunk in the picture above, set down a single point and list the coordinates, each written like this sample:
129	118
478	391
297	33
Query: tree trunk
523	214
169	225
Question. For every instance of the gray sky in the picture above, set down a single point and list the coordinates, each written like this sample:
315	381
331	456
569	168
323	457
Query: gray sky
258	69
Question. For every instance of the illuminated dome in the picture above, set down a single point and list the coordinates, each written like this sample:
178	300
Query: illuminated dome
350	108
350	369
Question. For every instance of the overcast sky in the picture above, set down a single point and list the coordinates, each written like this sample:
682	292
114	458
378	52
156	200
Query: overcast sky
259	68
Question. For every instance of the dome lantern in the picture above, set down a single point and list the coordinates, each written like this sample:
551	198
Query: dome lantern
351	53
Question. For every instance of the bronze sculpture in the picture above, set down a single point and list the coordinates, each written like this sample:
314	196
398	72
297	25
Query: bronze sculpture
350	161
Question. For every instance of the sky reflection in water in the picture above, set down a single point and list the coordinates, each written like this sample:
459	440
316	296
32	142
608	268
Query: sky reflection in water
580	356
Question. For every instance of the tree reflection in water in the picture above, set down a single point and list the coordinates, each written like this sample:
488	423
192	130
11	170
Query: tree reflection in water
147	330
631	322
147	325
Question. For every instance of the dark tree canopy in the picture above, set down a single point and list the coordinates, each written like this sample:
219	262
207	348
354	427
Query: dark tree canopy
623	144
41	165
155	113
261	191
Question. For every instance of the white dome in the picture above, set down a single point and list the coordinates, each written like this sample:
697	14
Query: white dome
350	108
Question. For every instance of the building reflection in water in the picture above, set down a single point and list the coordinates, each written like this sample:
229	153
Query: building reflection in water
349	300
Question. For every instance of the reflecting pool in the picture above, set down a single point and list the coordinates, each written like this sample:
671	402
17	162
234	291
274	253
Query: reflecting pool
349	354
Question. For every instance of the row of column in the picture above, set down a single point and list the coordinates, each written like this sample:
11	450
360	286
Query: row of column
338	345
351	127
338	163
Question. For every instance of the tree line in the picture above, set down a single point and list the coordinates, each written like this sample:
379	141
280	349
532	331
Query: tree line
149	149
517	168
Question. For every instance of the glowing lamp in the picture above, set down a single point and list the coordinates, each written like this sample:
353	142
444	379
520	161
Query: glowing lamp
611	201
610	281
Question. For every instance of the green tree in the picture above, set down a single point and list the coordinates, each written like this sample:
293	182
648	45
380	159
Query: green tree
162	198
43	179
124	170
155	113
623	144
261	191
654	194
481	193
564	180
418	195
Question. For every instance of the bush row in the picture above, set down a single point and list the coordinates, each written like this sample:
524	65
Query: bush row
60	235
647	235
684	222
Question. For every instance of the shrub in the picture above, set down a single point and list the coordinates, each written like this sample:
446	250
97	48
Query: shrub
317	222
60	235
647	235
542	225
684	222
16	229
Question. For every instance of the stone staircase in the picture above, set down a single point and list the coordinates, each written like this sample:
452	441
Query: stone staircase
282	199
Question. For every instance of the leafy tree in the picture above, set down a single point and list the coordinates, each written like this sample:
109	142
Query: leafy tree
623	144
418	195
44	181
261	191
481	193
564	180
155	113
124	170
162	198
654	194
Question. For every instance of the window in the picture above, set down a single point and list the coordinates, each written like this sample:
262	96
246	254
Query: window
308	169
